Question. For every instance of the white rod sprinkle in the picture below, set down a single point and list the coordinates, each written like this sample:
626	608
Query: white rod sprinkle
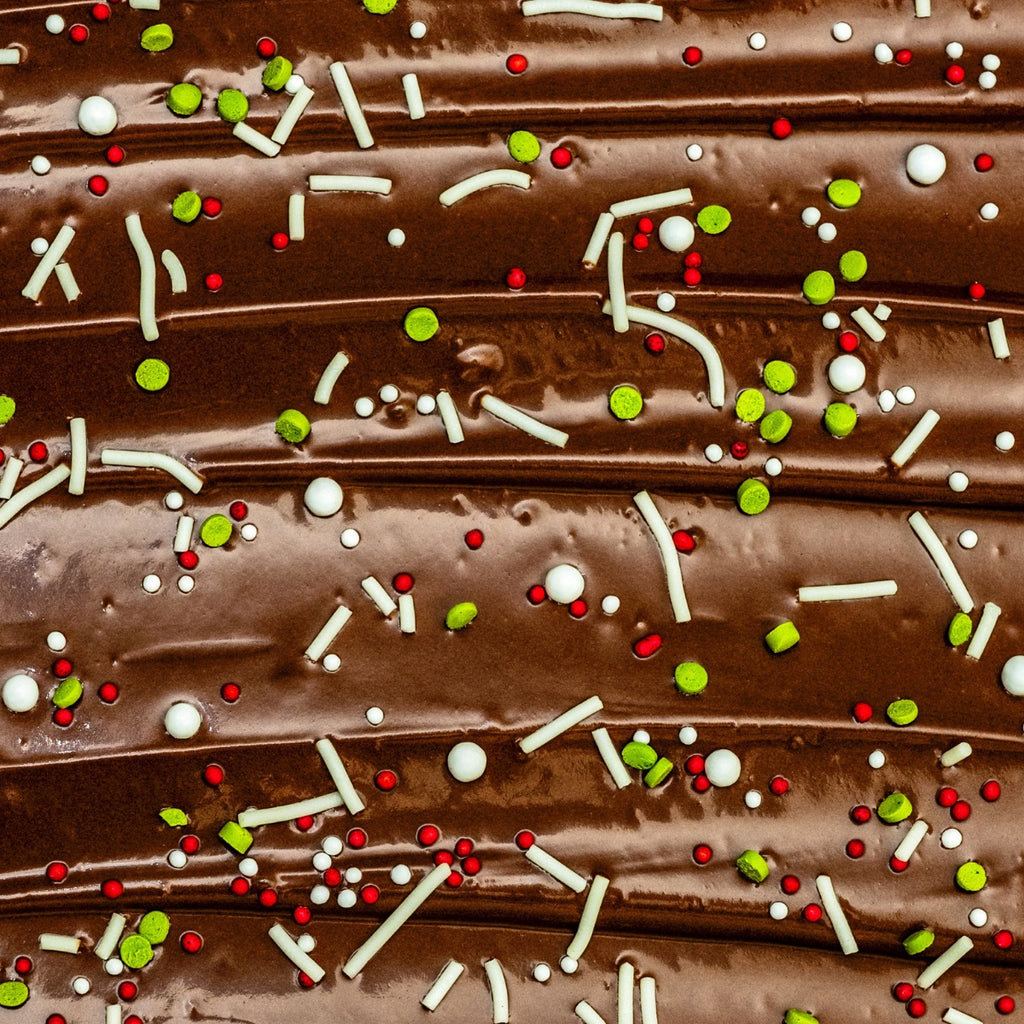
997	336
111	936
485	179
290	118
144	5
113	1013
36	489
868	324
255	816
588	919
253	138
593	8
406	613
648	204
648	1000
66	279
52	943
627	973
555	868
610	756
147	276
911	841
882	312
617	283
990	613
374	590
339	776
830	903
153	460
499	991
349	183
390	925
684	332
79	455
12	468
955	1016
10	56
332	371
330	629
413	97
449	417
450	973
303	961
956	753
598	237
924	426
176	272
350	104
297	217
523	421
922	8
587	1013
847	591
48	262
183	534
947	570
565	721
669	555
942	963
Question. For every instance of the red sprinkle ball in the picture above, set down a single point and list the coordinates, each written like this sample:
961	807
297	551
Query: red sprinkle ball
848	341
112	888
56	871
916	1007
302	915
192	942
991	791
515	278
427	835
516	64
655	344
781	128
640	241
472	865
213	775
62	668
108	693
902	991
78	33
692	277
369	894
444	857
238	510
332	877
454	880
37	451
304	823
1005	1004
115	155
739	449
960	811
790	884
955	74
855	848
189	844
385	779
561	157
862	711
305	980
212	206
266	47
474	539
98	185
55	1018
946	796
230	692
983	162
267	898
188	559
692	56
240	886
279	240
693	259
23	965
63	717
403	582
860	815
536	594
101	12
976	290
779	785
694	764
702	853
647	645
127	991
356	838
701	783
578	608
812	912
214	282
1003	939
683	541
904	57
525	839
897	865
645	225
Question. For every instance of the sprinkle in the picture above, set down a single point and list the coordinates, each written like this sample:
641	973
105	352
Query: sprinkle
66	279
847	591
955	1016
147	270
51	943
593	8
956	754
648	1001
669	556
598	238
413	98
333	370
350	104
349	183
290	948
906	395
565	721
499	991
153	460
990	612
36	489
375	591
915	438
583	1009
385	931
297	217
523	421
111	936
467	761
255	816
947	570
79	453
253	138
616	283
944	961
330	629
922	8
46	265
12	469
868	324
650	203
450	417
113	1014
555	868
588	919
485	179
406	613
611	758
910	842
625	993
179	283
183	534
450	973
997	336
339	776
290	118
830	902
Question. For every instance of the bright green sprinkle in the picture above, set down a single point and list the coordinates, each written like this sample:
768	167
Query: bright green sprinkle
853	265
819	287
152	374
753	866
749	405
752	497
292	426
625	402
919	941
421	323
276	73
461	615
784	636
843	193
971	876
186	207
174	816
659	773
779	375
13	994
901	712
238	838
713	220
232	105
799	1017
184	99
155	926
691	677
157	38
896	807
639	755
68	693
776	425
216	530
7	407
523	147
135	952
960	629
380	6
840	419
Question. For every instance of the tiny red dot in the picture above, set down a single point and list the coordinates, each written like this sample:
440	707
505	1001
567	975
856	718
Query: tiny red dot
525	839
37	451
55	1018
1003	939
702	853
266	47
862	711
645	225
694	764
855	848
472	865
463	847
188	559
693	259
56	871
427	835
848	341
536	594
983	162
108	693
62	668
916	1007
739	449
2	457
516	63
946	796
238	510
305	981
240	886
897	865
385	779
213	281
860	814
302	915
474	539
98	185
192	942
561	157
779	785
955	74
976	290
640	241
812	912
960	811
230	692
647	645
683	541
101	12
781	128
790	884
189	844
112	888
78	33
904	57
692	56
403	582
304	823
115	155
213	775
701	783
454	880
578	608
356	838
332	877
444	857
1005	1004
991	791
692	277
279	240
369	894
212	206
655	344
63	717
127	991
902	991
267	898
132	1018
23	965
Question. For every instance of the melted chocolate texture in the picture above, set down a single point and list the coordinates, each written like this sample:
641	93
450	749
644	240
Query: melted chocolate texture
618	96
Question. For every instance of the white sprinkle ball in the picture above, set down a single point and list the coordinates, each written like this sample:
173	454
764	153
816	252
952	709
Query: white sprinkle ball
306	942
958	481
388	394
978	917
426	405
687	735
401	874
177	858
693	152
752	798
564	583
350	538
97	116
174	500
1013	675
906	395
323	497
364	406
773	466
114	966
714	453
40	165
827	232
666	302
182	720
568	965
346	899
396	237
186	584
319	895
883	53
542	973
641	736
988	211
610	604
846	374
990	62
81	986
54	24
294	84
951	838
151	583
38	246
353	876
722	767
321	861
926	164
876	759
842	32
810	215
756	40
1005	440
886	400
20	693
467	761
56	641
675	233
954	50
778	910
332	845
248	867
987	80
331	662
249	531
417	30
830	320
967	539
375	715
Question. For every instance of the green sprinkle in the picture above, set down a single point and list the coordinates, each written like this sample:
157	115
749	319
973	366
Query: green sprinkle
776	425
691	677
971	876
68	693
460	616
135	952
421	323
896	807
840	419
186	207
960	629
625	402
919	941
853	265
157	38
639	755
238	838
659	773
782	637
749	405
292	426
799	1017
276	73
380	6
524	147
843	193
184	99
174	816
13	994
152	374
819	287
779	375
7	406
752	497
216	530
901	712
232	105
753	866
154	927
713	220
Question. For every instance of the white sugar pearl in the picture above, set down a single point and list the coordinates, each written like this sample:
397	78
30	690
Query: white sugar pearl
56	641
876	759
958	481
722	767
987	80
610	604
778	910
846	373
675	233
374	715
842	32
321	861
773	466
830	320
97	116
306	942
1013	675
40	165
906	395
756	40
332	845
364	406
323	497
426	405
569	965
1005	440
346	898
641	736
752	798
396	237
182	720
666	302
177	858
353	876
20	693
319	895
81	986
886	401
714	453
954	50
989	211
114	966
926	164
54	24
174	500
248	531
467	761
687	735
541	973
810	215
951	838
827	231
990	62
331	662
151	583
967	539
417	30
564	583
38	246
350	538
693	152
248	867
883	53
388	394
978	917
186	584
401	874
294	84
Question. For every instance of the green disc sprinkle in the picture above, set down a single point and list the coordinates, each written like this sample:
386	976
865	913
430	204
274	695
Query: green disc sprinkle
776	425
461	615
713	220
779	375
216	530
276	73
782	637
901	712
292	426
752	496
896	807
819	287
691	677
523	147
186	206
659	773
843	193
749	405
174	816
380	6
960	629
157	38
13	994
840	419
971	876
184	98
753	866
7	407
135	952
639	755
625	402
152	374
421	323
154	927
794	1016
853	265
919	941
232	105
238	838
68	693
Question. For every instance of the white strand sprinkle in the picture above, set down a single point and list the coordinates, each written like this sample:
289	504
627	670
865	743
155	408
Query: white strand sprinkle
290	118
485	179
990	612
956	753
882	312
648	1001
9	479
868	324
48	262
922	8
555	868
649	204
36	489
350	104
330	629
183	534
144	5
587	1013
297	217
564	722
617	283
627	972
669	555
911	841
111	936
253	138
51	943
593	8
10	56
256	816
406	613
450	973
374	590
339	776
939	555
153	460
413	97
450	417
66	279
499	991
588	919
176	272
942	963
387	929
847	591
598	237
925	425
79	455
303	961
997	336
349	183
610	756
955	1016
147	276
112	1014
830	903
333	370
523	421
